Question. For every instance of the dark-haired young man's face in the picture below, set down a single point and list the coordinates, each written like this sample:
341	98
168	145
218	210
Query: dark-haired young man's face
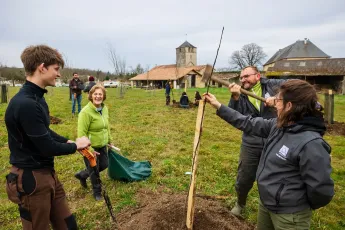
75	75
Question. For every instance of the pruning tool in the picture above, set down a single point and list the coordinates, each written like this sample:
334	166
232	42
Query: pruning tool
93	163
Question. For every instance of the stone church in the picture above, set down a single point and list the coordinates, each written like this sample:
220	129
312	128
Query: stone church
184	73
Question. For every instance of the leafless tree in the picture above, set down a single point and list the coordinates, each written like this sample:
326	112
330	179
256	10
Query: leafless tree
137	70
147	75
118	63
250	55
67	71
98	74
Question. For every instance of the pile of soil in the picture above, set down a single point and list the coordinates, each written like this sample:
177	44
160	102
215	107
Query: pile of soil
158	211
55	120
177	105
338	128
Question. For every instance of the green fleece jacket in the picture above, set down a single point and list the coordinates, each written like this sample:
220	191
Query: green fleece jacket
94	125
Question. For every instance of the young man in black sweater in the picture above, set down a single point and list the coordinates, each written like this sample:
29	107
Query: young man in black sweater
32	182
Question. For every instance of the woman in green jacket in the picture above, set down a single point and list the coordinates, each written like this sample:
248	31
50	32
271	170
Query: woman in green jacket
93	122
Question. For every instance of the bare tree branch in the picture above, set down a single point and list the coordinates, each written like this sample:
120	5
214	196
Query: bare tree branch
67	71
118	63
250	55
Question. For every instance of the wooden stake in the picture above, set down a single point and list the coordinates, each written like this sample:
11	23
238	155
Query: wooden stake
330	118
329	107
191	194
185	85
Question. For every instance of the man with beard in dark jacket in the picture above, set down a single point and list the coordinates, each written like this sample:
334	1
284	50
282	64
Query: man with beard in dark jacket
251	147
293	175
76	86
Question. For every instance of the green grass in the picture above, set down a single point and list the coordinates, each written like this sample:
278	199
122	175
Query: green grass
145	129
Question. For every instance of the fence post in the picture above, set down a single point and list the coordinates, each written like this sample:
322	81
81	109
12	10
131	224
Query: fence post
329	107
4	93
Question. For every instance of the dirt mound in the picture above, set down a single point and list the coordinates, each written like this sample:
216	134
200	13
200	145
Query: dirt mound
55	120
338	128
177	105
158	211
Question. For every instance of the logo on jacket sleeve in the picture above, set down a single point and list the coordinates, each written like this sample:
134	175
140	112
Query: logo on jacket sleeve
267	95
283	152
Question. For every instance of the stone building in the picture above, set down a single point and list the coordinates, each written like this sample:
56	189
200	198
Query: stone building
304	60
184	72
186	55
300	50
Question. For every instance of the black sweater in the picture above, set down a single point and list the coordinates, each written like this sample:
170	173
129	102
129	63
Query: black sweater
32	143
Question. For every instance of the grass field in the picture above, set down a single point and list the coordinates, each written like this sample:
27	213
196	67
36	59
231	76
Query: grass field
145	129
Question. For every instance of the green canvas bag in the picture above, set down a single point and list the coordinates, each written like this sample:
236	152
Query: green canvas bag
122	169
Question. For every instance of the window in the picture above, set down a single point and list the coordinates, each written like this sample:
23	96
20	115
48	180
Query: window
302	63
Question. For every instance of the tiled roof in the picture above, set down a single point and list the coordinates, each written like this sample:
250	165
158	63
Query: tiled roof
298	50
316	67
226	75
168	72
186	44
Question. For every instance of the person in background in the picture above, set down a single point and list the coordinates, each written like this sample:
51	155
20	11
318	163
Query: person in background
90	85
93	122
294	173
197	98
32	183
184	101
251	146
76	86
167	93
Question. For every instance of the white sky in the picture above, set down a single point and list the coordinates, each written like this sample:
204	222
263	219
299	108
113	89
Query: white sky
147	32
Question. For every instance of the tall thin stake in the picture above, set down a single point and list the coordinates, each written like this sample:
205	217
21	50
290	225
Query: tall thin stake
197	137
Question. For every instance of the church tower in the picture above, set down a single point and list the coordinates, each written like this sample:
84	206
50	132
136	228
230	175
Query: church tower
186	55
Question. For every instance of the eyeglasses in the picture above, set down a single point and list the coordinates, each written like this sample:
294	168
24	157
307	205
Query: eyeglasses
246	76
277	99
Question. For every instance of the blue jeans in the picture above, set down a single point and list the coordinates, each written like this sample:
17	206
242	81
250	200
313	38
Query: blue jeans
78	99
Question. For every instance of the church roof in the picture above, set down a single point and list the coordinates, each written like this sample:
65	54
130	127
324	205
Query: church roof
186	44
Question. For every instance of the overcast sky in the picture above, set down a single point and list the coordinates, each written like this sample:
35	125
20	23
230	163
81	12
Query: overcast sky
148	31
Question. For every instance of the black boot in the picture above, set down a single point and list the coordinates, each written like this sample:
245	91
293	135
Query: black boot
81	180
97	196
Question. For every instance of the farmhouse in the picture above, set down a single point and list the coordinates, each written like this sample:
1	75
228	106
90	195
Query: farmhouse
306	61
